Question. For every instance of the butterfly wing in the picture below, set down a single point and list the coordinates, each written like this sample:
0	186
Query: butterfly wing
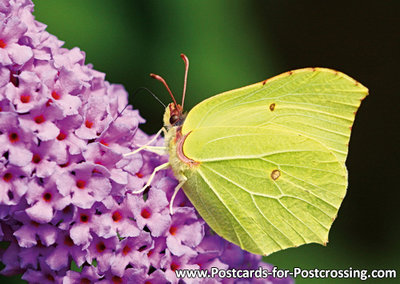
317	102
263	188
270	172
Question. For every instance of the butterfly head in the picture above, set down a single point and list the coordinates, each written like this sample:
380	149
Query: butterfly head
174	115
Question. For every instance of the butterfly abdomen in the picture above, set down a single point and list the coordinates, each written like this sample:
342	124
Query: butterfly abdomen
179	162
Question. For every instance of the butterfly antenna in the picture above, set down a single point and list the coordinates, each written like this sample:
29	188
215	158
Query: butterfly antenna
135	93
119	113
186	60
154	96
161	79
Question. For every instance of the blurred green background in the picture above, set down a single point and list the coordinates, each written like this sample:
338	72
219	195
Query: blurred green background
235	43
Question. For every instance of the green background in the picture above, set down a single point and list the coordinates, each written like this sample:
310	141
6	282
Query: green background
235	43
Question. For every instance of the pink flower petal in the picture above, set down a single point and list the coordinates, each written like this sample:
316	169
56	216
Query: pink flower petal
19	54
40	212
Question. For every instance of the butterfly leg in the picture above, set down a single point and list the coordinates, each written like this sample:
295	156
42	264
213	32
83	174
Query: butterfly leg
148	147
160	150
183	179
156	169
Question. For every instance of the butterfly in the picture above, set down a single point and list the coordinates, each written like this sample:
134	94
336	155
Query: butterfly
264	165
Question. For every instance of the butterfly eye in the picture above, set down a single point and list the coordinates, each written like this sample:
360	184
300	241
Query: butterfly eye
173	119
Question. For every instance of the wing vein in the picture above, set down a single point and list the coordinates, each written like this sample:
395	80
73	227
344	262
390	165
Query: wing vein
295	216
251	194
219	197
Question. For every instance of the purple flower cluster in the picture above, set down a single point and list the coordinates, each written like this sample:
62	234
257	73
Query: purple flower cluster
67	209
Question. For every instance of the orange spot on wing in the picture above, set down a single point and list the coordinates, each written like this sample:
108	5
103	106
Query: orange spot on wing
275	174
272	107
